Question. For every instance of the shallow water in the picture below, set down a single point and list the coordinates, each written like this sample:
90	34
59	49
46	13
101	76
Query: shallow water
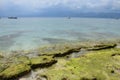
30	33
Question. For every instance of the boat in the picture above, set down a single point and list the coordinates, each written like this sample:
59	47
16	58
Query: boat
117	18
12	17
69	17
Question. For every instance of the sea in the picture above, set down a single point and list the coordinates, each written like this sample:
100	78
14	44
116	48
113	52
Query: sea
31	33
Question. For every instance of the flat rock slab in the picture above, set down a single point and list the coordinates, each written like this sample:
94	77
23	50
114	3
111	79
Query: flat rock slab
42	61
102	46
96	65
14	71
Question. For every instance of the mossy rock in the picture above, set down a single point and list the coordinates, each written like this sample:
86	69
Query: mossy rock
1	55
42	61
58	51
2	67
23	59
4	63
14	60
67	52
14	71
102	46
96	65
65	49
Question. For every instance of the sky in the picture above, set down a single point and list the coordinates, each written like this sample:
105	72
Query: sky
57	7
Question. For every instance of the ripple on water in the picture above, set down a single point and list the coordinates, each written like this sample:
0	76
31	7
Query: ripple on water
6	41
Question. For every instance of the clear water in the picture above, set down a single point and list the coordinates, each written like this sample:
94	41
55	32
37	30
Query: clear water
30	33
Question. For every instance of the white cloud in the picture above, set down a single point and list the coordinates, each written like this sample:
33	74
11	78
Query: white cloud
35	5
116	5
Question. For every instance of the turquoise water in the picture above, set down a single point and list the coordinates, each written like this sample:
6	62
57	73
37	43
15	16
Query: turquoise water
30	33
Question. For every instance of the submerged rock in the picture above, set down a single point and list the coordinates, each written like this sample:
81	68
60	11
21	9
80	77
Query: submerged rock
59	50
14	71
67	52
42	61
102	46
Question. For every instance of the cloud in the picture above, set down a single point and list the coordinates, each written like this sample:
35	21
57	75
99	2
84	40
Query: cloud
39	6
116	5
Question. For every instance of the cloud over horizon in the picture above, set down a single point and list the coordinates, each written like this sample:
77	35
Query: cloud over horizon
33	7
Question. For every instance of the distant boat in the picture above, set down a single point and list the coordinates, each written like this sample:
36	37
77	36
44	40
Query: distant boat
12	17
117	18
69	17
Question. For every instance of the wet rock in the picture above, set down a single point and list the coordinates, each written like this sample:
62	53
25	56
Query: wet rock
58	50
22	79
1	55
70	51
42	61
90	67
64	79
7	62
112	71
23	59
3	67
102	46
42	77
116	54
84	78
4	63
14	71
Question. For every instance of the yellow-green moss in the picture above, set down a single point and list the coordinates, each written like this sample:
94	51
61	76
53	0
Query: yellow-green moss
14	71
97	65
42	61
62	49
59	50
1	55
101	46
23	59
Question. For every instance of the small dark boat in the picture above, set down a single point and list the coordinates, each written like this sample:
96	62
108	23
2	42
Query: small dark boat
12	17
69	17
117	18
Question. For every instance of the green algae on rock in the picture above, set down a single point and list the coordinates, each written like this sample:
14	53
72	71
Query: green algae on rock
23	65
42	61
2	67
6	62
102	46
23	59
67	52
101	64
97	65
14	71
59	50
1	55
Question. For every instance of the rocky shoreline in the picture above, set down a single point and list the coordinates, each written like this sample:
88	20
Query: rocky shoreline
101	62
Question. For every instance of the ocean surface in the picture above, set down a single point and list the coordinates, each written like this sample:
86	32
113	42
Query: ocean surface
30	33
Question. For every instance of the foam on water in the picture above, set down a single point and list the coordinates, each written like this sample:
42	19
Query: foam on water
30	33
